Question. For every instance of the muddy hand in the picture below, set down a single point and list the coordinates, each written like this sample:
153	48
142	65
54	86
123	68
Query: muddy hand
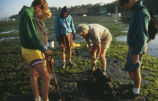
48	52
90	49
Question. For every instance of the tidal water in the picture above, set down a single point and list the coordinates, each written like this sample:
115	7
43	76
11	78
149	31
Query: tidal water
152	46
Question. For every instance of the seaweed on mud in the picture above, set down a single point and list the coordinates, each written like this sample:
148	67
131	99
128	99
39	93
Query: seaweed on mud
75	82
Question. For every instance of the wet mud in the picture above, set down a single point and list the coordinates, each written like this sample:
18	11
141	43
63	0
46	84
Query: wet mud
92	86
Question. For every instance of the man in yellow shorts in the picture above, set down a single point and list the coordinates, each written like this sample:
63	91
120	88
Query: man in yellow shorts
32	49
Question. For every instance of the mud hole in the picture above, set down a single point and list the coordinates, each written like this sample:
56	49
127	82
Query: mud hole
92	86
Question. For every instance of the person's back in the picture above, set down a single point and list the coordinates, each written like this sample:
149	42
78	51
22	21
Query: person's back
42	32
23	15
101	39
138	29
99	31
28	32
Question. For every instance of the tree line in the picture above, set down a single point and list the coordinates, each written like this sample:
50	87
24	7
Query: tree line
96	9
99	9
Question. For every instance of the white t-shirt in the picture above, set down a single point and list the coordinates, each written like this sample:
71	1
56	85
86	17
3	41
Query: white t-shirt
97	33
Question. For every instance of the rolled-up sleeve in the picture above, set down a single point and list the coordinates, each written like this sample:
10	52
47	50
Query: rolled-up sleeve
72	26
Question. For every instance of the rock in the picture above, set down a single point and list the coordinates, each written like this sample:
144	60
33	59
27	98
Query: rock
59	99
70	85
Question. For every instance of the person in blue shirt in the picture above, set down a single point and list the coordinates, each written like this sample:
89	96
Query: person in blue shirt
64	28
136	39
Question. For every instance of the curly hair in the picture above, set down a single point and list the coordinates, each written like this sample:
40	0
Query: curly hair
41	9
41	3
48	13
82	28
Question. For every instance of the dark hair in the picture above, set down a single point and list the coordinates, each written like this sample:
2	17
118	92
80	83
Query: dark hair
64	10
42	3
122	2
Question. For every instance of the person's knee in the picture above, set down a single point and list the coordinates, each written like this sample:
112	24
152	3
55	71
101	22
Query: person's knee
34	76
43	72
69	49
102	57
46	76
63	49
138	77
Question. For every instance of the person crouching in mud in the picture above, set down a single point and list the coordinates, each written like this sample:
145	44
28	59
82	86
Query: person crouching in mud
32	49
64	28
101	38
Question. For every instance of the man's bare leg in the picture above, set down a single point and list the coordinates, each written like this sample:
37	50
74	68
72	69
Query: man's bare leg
34	81
45	79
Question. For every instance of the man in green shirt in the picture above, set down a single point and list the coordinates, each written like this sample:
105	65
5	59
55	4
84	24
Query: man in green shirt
136	39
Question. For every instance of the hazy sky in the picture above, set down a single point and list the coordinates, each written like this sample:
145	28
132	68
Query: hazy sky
10	7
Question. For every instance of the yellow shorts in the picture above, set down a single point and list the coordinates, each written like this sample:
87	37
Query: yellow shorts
33	57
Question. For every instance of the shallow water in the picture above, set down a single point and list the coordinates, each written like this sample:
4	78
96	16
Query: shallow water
152	46
8	38
6	32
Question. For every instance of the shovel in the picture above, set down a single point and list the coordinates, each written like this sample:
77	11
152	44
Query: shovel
50	62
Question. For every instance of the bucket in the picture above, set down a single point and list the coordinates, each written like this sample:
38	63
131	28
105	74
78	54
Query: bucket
51	44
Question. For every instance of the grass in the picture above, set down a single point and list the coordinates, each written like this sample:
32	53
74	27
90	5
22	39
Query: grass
14	76
8	25
9	35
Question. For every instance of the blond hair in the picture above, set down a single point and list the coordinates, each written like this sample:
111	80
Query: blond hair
41	9
48	13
